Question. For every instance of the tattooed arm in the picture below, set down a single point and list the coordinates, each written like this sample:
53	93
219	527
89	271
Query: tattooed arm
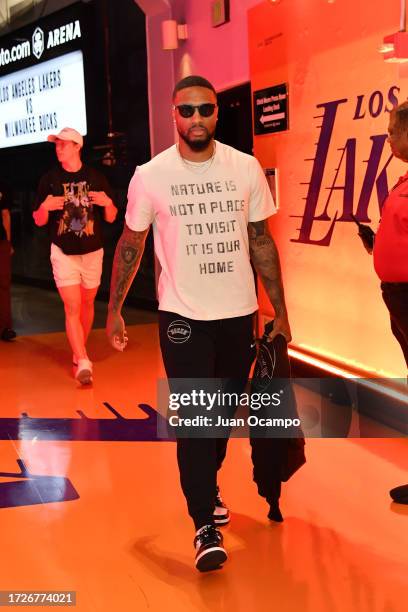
264	256
128	254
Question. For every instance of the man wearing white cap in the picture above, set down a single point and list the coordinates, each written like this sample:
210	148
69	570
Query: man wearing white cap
72	200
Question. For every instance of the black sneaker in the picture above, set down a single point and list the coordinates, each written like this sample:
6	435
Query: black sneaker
221	514
210	553
8	334
274	513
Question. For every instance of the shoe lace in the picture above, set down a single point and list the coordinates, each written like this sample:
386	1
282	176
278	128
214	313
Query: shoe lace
207	535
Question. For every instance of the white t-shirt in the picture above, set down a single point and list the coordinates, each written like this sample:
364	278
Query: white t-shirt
200	214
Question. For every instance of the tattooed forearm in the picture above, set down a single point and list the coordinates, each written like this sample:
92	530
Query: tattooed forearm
265	258
128	254
257	228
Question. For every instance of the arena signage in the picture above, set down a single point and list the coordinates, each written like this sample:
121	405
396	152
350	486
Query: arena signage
40	41
37	101
376	105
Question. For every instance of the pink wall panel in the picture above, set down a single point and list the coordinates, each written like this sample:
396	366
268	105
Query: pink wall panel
220	54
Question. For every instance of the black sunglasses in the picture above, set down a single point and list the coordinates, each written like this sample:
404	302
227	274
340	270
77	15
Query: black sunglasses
187	110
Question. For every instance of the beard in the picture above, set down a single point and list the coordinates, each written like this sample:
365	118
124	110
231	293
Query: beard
198	145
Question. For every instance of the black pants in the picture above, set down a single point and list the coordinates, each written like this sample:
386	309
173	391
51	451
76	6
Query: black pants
5	282
209	349
395	296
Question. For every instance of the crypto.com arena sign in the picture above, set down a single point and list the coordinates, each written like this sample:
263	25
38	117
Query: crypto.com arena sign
41	41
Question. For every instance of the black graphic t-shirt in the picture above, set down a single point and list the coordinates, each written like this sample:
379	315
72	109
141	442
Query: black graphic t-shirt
77	228
5	204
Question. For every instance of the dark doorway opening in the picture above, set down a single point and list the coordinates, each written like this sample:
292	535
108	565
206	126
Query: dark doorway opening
234	125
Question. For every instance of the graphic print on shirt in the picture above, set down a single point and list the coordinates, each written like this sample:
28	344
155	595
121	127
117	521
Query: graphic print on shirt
211	243
77	215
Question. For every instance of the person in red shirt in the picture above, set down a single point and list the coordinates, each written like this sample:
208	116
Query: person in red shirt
391	248
391	242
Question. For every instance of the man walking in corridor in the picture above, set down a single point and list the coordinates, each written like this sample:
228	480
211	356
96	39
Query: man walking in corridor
208	204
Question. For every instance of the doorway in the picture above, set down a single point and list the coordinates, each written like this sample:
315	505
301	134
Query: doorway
234	125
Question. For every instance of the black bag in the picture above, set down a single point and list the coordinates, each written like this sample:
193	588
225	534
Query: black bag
294	458
275	457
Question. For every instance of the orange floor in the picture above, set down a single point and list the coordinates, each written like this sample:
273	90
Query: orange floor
123	540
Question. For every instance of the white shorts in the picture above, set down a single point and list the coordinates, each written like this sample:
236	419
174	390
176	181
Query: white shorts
84	270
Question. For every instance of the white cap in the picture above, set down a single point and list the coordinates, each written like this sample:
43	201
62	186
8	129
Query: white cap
67	134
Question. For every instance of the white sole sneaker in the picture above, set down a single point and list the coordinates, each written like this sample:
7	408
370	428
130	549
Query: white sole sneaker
84	372
210	552
221	514
222	518
211	559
